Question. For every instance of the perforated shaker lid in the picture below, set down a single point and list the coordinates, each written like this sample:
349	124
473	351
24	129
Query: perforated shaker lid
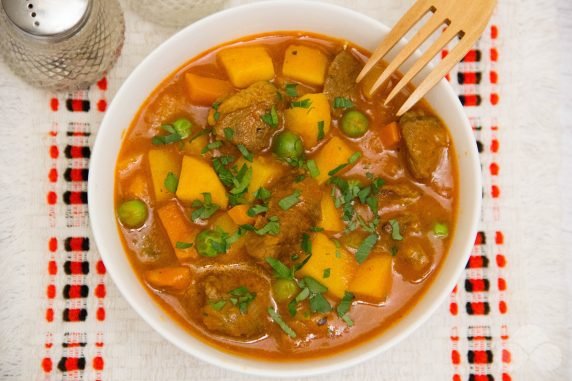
48	18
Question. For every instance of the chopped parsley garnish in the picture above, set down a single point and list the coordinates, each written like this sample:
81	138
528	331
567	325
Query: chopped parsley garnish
204	209
183	245
256	209
344	307
338	252
342	102
271	117
171	182
178	131
247	155
291	90
272	227
278	320
320	130
353	158
299	178
317	229
242	297
228	133
291	200
216	114
314	286
303	295
319	304
365	248
394	250
306	103
326	273
441	230
306	244
211	146
217	305
262	194
313	168
223	173
242	180
280	269
202	132
395	233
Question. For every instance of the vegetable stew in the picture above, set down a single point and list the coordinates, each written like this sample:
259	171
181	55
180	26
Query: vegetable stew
277	210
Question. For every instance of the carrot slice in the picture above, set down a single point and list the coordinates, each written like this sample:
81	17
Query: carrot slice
390	135
179	230
239	215
205	90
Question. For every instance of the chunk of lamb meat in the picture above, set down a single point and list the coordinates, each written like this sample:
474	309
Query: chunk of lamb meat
242	113
398	195
294	222
341	76
414	259
224	293
425	141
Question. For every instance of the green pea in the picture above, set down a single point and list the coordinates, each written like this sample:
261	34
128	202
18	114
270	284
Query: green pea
354	124
210	243
284	290
133	213
288	145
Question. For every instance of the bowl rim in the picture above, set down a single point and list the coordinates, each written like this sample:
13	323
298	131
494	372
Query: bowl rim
337	361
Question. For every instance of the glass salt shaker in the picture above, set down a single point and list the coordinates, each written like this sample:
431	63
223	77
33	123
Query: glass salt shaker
176	13
61	45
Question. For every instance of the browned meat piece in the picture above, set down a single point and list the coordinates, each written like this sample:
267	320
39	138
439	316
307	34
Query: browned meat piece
425	140
242	113
414	260
398	195
295	221
235	303
341	77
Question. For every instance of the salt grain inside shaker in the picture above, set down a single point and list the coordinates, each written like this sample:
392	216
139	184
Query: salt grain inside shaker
61	45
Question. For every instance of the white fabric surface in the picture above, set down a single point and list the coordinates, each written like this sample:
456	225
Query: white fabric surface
536	209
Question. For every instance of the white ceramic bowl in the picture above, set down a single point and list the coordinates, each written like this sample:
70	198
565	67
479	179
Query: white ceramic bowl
225	26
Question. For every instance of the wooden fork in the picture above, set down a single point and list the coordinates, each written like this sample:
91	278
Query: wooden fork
464	18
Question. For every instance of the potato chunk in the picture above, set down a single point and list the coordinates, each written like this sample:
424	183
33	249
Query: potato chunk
307	122
325	255
334	153
198	177
264	171
161	162
331	220
373	278
246	65
305	64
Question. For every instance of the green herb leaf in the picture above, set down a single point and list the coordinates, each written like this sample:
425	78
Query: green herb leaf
395	234
306	244
262	194
317	229
441	230
365	248
242	180
211	146
228	133
345	304
393	251
319	304
338	246
182	127
223	173
280	269
271	117
256	209
217	305
334	171
292	307
342	102
216	114
306	103
298	266
303	295
172	137
354	157
320	130
278	320
291	90
291	200
314	286
171	182
313	168
272	227
204	209
326	273
242	298
183	245
247	155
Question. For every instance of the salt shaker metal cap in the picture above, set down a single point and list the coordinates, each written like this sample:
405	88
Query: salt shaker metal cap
61	45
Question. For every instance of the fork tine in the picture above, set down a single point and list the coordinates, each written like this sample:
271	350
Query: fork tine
439	72
413	15
447	35
422	35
